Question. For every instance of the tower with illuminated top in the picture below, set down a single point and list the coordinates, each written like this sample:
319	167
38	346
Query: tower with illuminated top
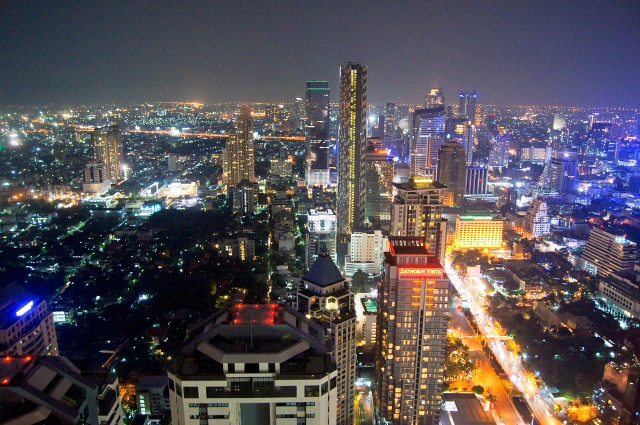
325	297
351	197
413	315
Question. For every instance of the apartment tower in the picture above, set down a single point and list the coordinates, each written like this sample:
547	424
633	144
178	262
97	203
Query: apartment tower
413	315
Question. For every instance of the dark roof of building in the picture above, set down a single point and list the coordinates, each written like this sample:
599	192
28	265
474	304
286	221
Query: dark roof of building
419	185
324	271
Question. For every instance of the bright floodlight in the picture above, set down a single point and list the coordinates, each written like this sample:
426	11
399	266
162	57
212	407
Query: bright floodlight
24	309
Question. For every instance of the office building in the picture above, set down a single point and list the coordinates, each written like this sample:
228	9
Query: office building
238	156
322	234
260	364
560	174
390	121
452	169
107	148
467	106
413	317
95	180
26	326
427	137
365	252
536	222
476	181
317	132
621	293
417	211
499	151
478	231
434	98
351	197
608	252
52	390
325	297
378	183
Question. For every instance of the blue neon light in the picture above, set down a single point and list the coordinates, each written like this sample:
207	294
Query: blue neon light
28	306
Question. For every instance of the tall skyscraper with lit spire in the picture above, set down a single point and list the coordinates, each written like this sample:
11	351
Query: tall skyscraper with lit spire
351	151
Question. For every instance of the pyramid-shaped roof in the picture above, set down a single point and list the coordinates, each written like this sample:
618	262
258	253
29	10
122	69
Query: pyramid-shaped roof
324	271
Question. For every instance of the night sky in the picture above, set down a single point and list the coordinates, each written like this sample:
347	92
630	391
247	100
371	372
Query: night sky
582	53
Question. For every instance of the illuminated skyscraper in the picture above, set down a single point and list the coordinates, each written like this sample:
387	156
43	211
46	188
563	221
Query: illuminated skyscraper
317	132
390	124
561	173
467	106
238	157
417	211
352	148
427	137
107	148
452	161
413	317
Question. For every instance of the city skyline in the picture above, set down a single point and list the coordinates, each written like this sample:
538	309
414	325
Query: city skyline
526	53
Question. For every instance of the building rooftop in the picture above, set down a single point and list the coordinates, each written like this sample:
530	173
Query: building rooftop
465	409
323	272
419	184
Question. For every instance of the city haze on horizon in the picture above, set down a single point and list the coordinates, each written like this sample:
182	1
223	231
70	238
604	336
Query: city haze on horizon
545	53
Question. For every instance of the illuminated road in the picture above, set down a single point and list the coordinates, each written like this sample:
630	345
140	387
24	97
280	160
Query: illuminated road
363	408
485	375
540	401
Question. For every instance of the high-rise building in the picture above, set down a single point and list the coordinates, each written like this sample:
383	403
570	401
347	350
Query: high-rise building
434	98
390	121
452	162
427	137
322	234
351	195
238	156
365	252
245	197
378	183
317	132
413	316
467	106
325	297
476	181
95	178
27	326
499	151
52	390
107	148
260	364
417	211
561	173
536	222
607	252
